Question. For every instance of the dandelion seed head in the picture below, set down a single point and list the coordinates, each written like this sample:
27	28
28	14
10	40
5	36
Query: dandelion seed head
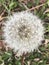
23	32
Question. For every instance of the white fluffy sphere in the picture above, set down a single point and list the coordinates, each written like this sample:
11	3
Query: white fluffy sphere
23	32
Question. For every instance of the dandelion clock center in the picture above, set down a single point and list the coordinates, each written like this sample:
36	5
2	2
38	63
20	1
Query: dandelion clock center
24	32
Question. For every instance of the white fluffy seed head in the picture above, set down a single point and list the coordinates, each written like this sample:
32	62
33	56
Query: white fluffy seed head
23	32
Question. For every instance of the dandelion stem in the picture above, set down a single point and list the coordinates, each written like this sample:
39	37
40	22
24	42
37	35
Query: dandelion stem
22	60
